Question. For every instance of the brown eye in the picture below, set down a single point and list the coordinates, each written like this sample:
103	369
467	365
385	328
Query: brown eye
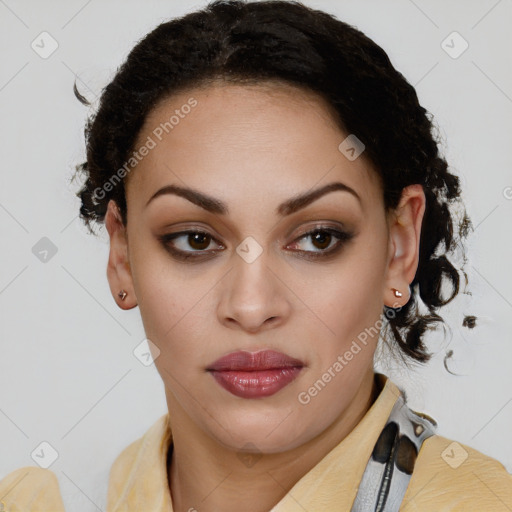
321	239
321	242
188	244
199	241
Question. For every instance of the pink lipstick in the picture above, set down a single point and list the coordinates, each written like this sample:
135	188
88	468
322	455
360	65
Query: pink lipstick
255	374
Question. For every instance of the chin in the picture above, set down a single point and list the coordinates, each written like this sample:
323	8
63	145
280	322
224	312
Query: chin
255	433
241	442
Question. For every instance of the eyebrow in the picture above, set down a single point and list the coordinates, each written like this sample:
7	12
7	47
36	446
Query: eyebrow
288	207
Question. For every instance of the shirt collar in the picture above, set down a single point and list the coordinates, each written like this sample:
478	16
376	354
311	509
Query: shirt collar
138	478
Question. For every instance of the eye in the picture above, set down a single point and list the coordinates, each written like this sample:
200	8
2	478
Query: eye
179	244
322	238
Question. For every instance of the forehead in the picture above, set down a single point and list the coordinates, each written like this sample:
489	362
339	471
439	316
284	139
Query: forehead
258	136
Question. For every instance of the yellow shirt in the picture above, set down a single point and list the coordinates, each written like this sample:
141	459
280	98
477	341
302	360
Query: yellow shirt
448	476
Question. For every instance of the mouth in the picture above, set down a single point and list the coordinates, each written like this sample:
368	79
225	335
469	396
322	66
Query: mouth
255	374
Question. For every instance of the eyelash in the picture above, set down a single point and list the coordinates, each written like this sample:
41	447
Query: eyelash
342	236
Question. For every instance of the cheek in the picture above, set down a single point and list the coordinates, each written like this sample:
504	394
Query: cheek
174	321
168	302
351	298
351	309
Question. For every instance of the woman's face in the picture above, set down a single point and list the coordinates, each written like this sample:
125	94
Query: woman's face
256	275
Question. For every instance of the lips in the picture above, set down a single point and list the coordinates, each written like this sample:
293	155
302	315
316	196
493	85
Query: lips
255	374
254	361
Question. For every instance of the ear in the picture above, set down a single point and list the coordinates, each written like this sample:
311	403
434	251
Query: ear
404	225
118	268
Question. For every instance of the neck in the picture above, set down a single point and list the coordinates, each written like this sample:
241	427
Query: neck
208	477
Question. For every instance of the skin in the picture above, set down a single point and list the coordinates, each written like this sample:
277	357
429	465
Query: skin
254	147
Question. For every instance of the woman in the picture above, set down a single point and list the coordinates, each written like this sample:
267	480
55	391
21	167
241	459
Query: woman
275	201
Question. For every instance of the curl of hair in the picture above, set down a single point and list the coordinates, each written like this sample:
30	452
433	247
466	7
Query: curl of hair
289	43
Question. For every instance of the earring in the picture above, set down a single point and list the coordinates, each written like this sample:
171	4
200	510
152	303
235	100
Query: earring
397	292
122	295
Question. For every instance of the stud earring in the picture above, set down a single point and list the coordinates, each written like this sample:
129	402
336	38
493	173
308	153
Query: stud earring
397	292
122	295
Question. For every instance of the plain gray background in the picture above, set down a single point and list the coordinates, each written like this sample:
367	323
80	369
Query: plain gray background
68	375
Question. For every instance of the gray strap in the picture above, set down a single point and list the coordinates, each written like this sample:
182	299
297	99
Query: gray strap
391	463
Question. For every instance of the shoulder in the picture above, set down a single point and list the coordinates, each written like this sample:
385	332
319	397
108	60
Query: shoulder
137	451
122	467
31	488
140	466
449	475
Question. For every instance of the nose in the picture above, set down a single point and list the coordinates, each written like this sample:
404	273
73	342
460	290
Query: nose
253	297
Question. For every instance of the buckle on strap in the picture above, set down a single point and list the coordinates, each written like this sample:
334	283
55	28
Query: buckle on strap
392	461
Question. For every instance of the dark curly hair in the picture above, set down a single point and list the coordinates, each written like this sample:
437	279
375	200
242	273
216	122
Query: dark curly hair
288	42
